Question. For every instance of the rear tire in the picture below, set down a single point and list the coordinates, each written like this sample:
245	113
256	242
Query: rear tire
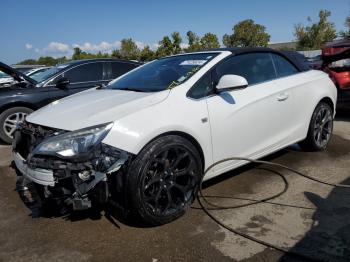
320	129
9	119
163	180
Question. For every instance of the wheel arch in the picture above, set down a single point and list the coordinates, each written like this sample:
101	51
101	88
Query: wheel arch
328	101
17	104
187	136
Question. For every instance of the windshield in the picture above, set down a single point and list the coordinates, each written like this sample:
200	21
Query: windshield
162	74
36	73
48	73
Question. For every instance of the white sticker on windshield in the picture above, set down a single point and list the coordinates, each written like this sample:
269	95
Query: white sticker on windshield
181	79
193	62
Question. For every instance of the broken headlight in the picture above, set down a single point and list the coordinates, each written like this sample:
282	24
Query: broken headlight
74	143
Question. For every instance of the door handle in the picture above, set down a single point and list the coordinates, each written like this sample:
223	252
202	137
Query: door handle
282	97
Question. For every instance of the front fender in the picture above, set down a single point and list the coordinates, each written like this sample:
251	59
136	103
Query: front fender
135	131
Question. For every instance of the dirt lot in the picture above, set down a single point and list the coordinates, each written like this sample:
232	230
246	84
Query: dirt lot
310	218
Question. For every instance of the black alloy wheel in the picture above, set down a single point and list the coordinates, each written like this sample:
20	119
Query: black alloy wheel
169	171
320	128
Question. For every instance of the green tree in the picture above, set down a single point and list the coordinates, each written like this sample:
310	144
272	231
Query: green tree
165	47
209	41
47	60
169	46
147	54
247	34
77	53
44	60
28	62
346	33
116	54
315	35
177	40
101	55
193	42
129	50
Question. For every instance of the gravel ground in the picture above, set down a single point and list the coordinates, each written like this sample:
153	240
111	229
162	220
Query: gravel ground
309	218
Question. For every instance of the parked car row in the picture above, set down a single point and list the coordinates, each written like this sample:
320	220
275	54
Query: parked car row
145	139
29	92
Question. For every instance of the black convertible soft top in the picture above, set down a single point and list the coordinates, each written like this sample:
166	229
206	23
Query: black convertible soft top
294	57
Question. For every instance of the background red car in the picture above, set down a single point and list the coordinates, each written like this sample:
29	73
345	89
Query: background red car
336	62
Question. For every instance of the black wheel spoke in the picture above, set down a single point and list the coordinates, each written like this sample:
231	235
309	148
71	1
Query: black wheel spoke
169	181
183	190
327	131
184	172
152	181
179	158
323	127
170	200
164	155
156	200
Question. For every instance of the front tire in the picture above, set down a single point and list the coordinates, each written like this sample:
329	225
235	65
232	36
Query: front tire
9	119
320	129
163	179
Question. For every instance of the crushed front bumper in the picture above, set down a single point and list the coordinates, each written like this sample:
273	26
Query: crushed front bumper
80	182
37	175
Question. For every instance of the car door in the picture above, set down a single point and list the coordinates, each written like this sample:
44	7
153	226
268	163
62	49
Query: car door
81	77
293	82
37	96
252	121
84	76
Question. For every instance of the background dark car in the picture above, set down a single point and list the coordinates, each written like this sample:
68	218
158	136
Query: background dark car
28	94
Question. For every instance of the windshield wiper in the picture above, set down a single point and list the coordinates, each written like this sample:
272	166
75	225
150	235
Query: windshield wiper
130	89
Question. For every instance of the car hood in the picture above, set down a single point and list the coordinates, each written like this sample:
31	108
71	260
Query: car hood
93	107
16	74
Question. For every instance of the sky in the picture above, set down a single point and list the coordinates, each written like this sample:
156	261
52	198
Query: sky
33	28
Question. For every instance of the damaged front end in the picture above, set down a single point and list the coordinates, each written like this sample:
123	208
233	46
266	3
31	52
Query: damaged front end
72	169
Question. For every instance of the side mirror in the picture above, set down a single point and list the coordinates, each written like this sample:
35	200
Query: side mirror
62	83
231	82
100	86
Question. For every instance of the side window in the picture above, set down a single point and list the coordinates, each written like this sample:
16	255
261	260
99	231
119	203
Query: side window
85	73
283	66
255	67
54	80
201	88
119	69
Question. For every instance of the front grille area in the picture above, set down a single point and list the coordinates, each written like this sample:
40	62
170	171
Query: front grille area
29	135
59	181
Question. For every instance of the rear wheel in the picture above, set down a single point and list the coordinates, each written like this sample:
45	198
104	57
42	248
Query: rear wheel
163	179
320	129
9	120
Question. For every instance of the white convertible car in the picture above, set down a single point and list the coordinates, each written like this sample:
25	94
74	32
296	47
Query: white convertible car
145	139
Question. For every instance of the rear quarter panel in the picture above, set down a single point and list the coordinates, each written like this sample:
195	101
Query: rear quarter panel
309	89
